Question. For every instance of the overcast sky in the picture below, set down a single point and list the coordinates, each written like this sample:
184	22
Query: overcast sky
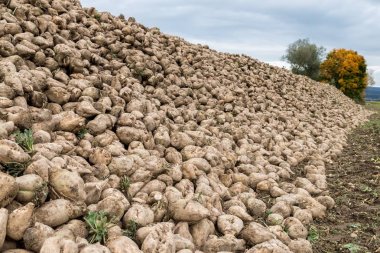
261	29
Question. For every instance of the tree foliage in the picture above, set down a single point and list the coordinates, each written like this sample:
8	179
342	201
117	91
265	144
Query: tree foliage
347	71
305	58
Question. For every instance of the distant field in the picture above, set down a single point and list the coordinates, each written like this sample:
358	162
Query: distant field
373	105
372	94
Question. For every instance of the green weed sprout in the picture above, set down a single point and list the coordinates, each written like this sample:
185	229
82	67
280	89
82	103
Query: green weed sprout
14	169
131	229
98	223
25	140
125	183
81	133
313	235
352	247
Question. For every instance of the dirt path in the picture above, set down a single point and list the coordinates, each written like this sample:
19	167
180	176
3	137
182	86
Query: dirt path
354	182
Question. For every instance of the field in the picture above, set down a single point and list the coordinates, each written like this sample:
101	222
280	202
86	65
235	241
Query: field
374	106
354	181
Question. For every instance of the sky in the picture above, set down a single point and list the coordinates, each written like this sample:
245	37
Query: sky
261	29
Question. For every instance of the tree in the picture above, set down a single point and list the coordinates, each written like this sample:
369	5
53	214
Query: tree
305	58
347	71
371	79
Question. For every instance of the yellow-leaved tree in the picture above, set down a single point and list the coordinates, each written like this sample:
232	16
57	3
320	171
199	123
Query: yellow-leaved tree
347	71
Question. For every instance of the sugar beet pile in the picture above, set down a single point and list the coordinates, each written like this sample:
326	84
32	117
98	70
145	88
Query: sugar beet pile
159	144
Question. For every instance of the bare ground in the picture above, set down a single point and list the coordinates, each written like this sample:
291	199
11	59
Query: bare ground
354	181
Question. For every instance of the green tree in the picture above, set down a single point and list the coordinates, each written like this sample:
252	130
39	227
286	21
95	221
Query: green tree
305	58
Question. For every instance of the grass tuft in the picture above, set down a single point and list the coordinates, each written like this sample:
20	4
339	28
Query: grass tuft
81	133
98	223
25	139
313	235
125	183
268	212
97	16
14	169
352	247
131	229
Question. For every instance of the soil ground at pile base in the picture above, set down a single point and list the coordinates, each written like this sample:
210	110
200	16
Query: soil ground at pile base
354	182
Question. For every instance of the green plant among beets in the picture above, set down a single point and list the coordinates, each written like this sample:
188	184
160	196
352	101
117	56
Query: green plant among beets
14	169
81	133
313	235
131	229
125	183
25	140
98	224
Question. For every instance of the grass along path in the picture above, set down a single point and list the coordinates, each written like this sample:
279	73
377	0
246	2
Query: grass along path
353	226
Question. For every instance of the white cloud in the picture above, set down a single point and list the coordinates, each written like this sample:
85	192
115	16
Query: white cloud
374	68
257	50
262	29
280	64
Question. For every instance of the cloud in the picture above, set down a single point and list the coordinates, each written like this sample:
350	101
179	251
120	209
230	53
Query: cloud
280	64
374	68
262	29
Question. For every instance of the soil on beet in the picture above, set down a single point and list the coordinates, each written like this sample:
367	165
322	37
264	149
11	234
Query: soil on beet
354	182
